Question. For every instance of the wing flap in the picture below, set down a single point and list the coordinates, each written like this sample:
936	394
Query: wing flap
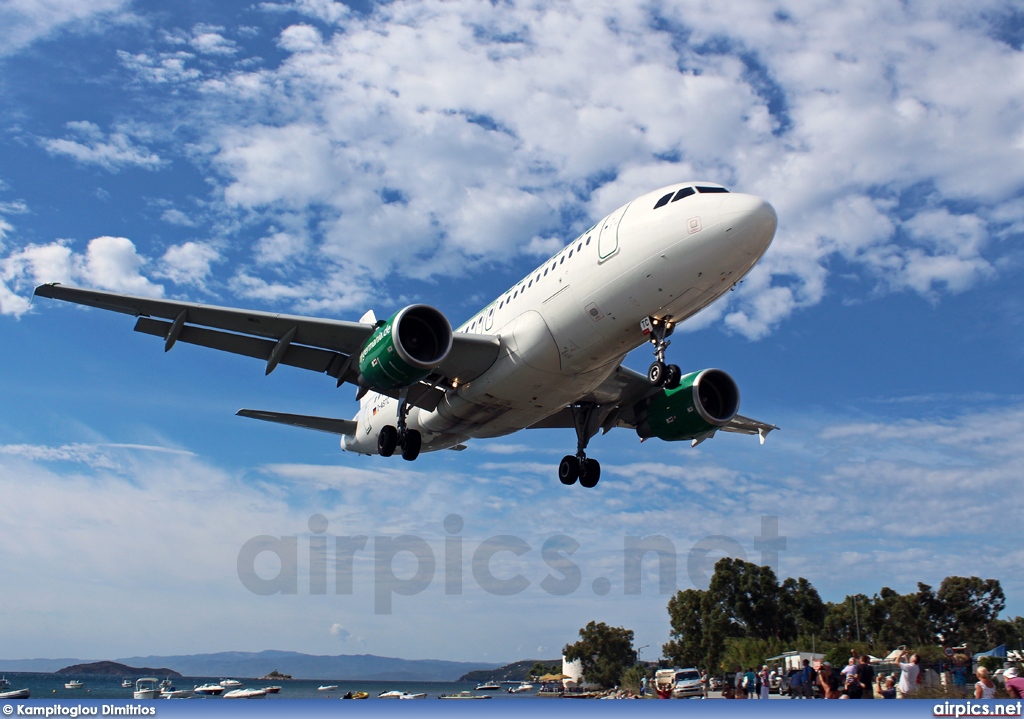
337	335
320	424
311	358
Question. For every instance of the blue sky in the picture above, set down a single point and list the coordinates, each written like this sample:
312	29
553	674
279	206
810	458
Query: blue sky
312	157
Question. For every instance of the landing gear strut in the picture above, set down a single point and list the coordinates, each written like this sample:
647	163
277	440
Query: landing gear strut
587	471
660	374
390	438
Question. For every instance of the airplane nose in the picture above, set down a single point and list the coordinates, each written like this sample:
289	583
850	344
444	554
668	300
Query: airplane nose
750	219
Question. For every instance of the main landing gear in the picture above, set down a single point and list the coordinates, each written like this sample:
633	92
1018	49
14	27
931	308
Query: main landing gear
391	438
587	471
660	374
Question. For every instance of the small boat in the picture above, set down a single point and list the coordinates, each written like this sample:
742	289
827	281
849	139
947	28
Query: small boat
488	687
73	684
327	688
356	695
417	695
126	683
172	693
4	684
16	694
272	690
147	688
524	687
209	689
393	694
230	683
465	695
246	694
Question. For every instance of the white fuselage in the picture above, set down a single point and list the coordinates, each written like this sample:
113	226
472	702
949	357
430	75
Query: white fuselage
566	326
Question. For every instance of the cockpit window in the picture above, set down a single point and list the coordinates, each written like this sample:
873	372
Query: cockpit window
685	192
710	190
663	201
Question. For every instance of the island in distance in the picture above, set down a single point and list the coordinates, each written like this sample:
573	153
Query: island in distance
115	669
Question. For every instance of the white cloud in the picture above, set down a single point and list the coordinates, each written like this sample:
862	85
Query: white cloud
110	263
188	263
112	153
207	40
22	22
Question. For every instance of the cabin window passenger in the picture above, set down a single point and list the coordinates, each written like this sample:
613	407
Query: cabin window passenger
562	260
685	192
531	284
663	201
588	241
570	254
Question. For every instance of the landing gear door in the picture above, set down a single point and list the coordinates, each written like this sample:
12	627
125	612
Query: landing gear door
608	239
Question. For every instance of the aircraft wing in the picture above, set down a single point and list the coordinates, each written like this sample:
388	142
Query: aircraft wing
321	424
321	345
617	398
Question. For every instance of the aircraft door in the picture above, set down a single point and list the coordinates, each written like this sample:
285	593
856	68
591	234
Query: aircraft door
608	239
489	319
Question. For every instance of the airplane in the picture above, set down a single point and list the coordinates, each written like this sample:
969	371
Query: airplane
546	353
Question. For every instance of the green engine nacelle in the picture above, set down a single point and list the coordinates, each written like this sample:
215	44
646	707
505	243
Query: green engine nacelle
404	348
703	402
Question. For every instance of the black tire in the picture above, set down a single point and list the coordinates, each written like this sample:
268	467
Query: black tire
568	469
672	376
590	473
656	373
387	441
411	448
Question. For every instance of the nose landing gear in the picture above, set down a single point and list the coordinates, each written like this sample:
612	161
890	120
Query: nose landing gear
659	374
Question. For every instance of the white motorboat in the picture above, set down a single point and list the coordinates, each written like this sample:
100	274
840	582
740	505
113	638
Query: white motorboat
172	693
488	687
272	690
126	683
465	695
16	694
147	688
416	695
246	694
327	688
524	687
209	689
73	684
393	694
230	683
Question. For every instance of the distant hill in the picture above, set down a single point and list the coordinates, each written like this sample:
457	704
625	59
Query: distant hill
248	665
367	667
117	670
516	671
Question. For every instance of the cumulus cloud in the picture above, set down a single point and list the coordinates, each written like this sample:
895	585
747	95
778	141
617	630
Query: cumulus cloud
426	139
188	263
112	152
110	263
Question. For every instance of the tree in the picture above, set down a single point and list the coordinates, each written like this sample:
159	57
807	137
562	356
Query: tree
538	669
605	652
686	617
967	610
749	596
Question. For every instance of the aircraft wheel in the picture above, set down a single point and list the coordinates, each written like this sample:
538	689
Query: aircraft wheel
387	441
569	469
413	442
656	373
590	473
672	376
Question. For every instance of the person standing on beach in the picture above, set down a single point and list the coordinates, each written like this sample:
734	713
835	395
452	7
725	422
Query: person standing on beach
866	677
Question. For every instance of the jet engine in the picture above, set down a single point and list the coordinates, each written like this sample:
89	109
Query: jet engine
701	403
404	348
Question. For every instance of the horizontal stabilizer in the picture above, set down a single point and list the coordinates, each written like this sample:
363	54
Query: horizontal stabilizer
321	424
